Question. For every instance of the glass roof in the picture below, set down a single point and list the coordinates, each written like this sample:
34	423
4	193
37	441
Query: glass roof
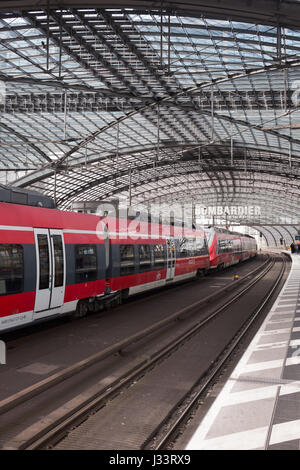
94	100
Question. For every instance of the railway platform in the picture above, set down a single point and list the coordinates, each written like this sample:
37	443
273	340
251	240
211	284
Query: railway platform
259	406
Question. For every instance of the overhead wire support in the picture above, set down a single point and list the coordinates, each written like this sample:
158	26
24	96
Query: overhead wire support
290	146
231	146
60	48
65	114
212	113
279	45
48	34
169	43
158	133
118	148
161	33
54	190
130	184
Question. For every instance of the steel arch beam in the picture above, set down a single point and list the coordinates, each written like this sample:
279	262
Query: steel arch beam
25	140
213	166
198	179
292	212
277	230
145	167
268	12
288	233
286	229
242	199
262	231
269	231
48	170
202	85
262	191
99	181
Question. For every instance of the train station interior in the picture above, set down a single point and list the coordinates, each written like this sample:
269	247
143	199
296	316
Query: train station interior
176	110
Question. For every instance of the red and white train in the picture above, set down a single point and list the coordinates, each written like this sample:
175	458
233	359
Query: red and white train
54	262
228	248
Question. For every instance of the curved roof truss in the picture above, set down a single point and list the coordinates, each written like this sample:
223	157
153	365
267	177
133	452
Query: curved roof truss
150	101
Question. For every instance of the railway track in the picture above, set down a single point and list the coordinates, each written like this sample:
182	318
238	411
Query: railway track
166	433
58	423
39	328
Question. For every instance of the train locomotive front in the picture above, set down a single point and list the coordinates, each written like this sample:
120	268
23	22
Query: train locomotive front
228	248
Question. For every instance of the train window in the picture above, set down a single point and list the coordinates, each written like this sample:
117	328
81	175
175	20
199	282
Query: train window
182	250
58	260
11	269
126	259
192	246
85	263
237	246
225	246
44	261
201	247
186	247
145	257
159	256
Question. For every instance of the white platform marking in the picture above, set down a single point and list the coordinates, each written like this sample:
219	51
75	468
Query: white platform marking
285	432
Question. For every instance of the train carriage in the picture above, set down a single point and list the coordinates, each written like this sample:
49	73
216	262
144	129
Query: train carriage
49	261
145	255
228	248
54	262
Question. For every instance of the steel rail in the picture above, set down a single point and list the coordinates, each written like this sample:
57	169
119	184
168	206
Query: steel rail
173	429
33	390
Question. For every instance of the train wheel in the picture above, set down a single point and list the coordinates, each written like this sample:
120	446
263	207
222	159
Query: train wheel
82	309
200	273
124	294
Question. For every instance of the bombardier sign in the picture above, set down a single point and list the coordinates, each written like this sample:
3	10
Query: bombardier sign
231	211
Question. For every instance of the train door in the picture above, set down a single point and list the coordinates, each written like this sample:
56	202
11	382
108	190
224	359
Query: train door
51	271
171	259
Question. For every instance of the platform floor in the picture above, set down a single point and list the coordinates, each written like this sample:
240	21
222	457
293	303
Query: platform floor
259	406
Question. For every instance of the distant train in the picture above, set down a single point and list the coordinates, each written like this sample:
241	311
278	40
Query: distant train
228	248
54	262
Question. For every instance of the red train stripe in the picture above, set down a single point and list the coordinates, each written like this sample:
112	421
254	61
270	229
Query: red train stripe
21	216
84	290
187	265
124	282
16	303
16	236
